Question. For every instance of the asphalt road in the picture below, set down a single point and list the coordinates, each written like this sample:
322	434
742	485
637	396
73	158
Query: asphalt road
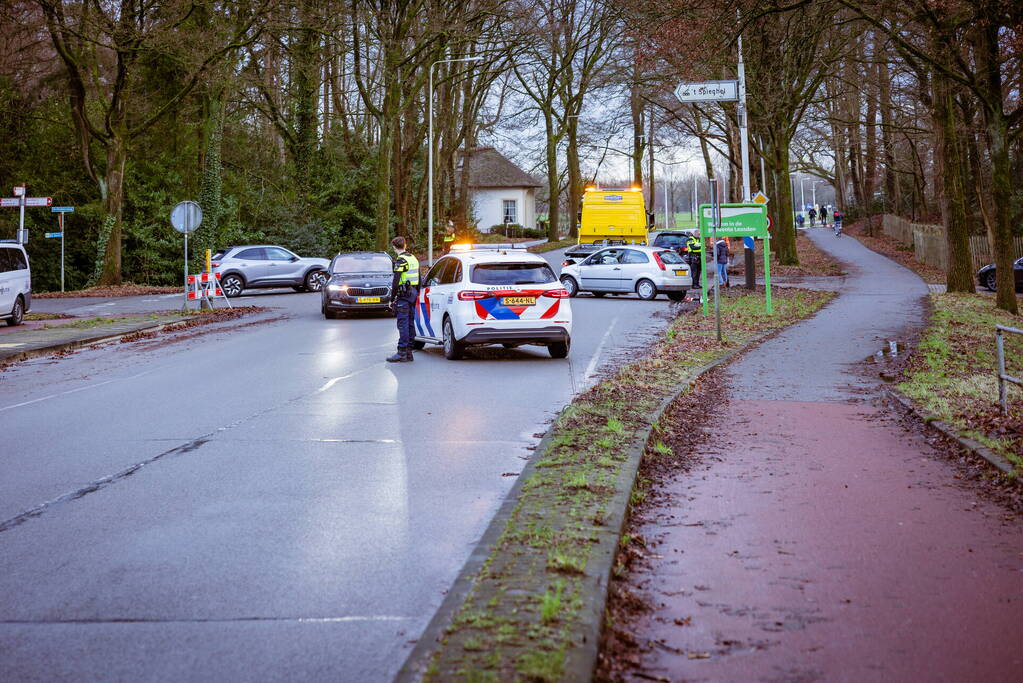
270	502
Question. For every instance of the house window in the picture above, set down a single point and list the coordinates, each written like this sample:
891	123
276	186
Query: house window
511	214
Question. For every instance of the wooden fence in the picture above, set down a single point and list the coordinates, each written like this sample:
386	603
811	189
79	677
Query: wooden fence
928	242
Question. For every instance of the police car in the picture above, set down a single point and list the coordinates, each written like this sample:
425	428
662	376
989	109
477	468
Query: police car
492	294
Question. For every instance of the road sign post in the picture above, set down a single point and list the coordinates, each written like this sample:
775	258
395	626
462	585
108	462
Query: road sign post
20	201
186	217
60	211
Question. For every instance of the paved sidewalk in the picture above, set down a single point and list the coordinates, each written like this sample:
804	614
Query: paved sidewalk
20	343
817	539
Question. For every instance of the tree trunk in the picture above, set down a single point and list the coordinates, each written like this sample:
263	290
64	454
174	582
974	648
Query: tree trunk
989	74
553	194
783	235
575	189
636	108
113	205
953	195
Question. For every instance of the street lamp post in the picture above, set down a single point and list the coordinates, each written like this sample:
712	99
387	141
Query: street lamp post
429	157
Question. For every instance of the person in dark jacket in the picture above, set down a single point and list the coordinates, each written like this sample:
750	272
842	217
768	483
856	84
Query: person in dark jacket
812	213
721	255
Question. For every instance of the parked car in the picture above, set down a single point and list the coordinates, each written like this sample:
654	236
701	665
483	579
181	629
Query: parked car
15	283
647	271
357	281
986	275
482	294
259	266
673	239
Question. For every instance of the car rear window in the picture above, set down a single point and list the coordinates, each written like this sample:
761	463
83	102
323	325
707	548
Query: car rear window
512	274
670	257
670	240
221	253
362	263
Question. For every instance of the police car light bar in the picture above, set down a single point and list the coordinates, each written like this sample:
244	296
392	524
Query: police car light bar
487	247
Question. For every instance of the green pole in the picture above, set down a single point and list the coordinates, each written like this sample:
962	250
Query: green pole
767	274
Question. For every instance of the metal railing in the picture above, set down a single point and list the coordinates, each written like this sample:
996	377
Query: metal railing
1002	376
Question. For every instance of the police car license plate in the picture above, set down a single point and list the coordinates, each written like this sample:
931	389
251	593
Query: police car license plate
518	300
368	300
680	272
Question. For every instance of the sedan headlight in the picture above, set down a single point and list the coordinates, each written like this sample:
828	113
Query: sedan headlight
337	288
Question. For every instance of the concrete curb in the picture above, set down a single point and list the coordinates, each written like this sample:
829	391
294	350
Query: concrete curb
99	336
581	661
949	431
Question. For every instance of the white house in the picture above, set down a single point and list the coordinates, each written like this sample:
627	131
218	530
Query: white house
500	191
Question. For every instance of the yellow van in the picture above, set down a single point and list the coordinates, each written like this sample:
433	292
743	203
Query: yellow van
611	217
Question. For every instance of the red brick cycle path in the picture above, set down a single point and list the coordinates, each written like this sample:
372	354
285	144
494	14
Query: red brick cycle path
816	538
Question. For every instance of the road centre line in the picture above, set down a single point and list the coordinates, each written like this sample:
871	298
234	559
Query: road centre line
227	620
334	381
72	391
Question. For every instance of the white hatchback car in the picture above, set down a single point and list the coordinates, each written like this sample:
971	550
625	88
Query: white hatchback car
15	283
493	295
647	271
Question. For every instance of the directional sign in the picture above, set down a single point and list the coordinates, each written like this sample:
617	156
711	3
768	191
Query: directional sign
760	198
54	234
186	217
62	209
737	220
708	91
15	202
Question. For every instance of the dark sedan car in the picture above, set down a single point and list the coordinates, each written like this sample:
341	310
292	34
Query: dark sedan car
986	275
358	281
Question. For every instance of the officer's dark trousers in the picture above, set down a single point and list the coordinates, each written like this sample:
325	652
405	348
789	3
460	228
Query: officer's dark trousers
404	309
695	269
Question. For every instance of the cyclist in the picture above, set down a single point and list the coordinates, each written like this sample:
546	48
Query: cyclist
838	223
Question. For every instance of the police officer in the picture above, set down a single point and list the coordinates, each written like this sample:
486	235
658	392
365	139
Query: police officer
405	286
694	251
449	237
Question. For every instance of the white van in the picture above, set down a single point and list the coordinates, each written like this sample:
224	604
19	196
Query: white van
15	283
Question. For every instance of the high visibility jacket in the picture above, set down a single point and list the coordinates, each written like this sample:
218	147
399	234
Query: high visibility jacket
449	238
694	245
407	268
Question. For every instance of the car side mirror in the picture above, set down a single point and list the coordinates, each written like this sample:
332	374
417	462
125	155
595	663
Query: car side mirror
293	258
568	262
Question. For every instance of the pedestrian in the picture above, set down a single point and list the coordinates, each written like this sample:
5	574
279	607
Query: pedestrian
813	216
800	220
694	256
721	255
449	237
405	287
823	213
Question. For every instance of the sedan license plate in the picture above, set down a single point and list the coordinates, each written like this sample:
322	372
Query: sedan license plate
681	272
368	300
518	301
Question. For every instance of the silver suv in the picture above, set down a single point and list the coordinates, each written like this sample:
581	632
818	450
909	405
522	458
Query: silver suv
255	266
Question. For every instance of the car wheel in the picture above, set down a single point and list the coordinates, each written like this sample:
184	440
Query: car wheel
452	349
646	289
677	296
418	345
570	285
314	281
559	349
509	345
232	285
598	294
17	313
990	280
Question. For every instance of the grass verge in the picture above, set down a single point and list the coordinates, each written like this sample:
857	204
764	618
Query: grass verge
99	321
522	617
953	373
551	246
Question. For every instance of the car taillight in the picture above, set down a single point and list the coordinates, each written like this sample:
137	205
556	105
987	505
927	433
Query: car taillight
215	264
472	295
660	263
556	293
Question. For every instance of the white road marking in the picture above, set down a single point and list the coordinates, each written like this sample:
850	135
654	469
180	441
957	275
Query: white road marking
334	381
10	346
592	367
71	391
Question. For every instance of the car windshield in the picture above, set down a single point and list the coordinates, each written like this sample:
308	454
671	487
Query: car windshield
362	263
513	274
670	257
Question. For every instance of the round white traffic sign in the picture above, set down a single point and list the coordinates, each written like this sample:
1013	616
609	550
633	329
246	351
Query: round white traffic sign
186	217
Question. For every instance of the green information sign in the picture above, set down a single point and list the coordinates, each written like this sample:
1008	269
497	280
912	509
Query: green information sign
737	220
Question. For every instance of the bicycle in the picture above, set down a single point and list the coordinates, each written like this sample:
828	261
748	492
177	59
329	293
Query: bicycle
838	228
